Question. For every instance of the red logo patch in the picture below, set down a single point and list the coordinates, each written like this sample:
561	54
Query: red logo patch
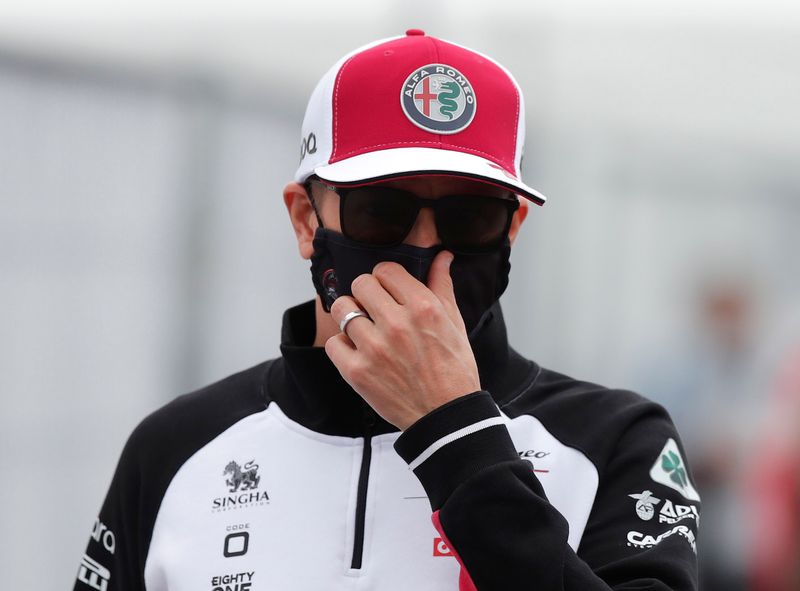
440	548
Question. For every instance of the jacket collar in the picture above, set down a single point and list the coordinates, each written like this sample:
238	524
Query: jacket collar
310	390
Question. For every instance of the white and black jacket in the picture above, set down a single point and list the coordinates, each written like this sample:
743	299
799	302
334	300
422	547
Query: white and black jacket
281	478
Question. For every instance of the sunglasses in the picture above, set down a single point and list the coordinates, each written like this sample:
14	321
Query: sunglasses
376	215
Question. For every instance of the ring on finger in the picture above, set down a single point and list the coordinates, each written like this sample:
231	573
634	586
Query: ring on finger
349	316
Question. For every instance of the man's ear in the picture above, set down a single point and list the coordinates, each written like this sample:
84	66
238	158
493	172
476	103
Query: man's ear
301	213
519	217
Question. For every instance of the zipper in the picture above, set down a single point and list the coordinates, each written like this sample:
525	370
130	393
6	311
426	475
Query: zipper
363	483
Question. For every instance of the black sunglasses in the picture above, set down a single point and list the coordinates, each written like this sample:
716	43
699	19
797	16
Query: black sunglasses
383	216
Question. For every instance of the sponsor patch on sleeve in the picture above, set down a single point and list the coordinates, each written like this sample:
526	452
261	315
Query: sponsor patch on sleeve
669	512
642	540
669	469
93	574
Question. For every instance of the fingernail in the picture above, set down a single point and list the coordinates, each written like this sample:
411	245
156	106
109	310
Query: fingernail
450	257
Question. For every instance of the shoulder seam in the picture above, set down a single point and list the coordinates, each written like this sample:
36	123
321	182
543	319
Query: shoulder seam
524	388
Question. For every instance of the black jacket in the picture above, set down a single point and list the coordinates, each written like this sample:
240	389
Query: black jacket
281	477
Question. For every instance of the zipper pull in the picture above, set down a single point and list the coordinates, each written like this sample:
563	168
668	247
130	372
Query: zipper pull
370	418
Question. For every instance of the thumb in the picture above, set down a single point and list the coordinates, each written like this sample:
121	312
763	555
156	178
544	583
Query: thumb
441	284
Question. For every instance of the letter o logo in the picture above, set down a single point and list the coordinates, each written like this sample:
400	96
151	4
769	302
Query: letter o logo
236	544
109	541
308	145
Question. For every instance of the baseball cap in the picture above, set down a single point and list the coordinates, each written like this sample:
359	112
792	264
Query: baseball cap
415	105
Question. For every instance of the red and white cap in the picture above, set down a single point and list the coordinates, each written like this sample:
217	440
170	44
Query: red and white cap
415	105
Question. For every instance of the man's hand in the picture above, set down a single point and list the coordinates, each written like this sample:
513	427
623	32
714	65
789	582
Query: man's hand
414	355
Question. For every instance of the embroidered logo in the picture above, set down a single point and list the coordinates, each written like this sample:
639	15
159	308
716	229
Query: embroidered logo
642	540
671	463
246	479
94	574
233	582
645	502
102	535
673	513
243	488
669	469
440	548
438	98
533	456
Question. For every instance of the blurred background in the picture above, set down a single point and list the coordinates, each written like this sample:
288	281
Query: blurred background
145	250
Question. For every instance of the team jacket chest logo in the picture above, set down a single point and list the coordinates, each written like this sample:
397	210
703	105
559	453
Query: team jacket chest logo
535	457
246	479
242	482
438	98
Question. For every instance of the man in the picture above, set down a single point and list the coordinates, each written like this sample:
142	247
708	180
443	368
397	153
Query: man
396	391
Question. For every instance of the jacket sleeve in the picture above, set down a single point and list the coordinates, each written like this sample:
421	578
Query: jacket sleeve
492	511
116	556
117	548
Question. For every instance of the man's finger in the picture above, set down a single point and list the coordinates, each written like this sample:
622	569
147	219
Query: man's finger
441	284
400	284
341	306
356	326
339	349
373	297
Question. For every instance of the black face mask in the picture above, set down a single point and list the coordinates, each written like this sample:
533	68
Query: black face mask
478	279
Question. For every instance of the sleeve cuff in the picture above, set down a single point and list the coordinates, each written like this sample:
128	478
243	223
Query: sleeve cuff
453	442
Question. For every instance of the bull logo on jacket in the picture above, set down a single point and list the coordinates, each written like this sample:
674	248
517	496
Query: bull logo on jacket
242	479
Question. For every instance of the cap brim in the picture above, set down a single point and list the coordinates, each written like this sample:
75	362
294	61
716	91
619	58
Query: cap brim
403	162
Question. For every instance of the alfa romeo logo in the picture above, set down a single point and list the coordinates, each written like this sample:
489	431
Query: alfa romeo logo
671	462
438	98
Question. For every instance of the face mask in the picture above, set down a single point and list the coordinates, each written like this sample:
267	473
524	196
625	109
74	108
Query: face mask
478	279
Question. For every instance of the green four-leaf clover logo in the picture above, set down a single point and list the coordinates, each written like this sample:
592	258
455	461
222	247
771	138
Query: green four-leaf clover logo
671	462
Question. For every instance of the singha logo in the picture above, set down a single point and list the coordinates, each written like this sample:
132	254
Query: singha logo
246	479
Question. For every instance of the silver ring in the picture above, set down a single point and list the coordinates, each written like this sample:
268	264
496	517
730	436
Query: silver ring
349	316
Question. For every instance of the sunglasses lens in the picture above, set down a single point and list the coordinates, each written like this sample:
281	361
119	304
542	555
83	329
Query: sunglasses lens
382	216
473	222
378	215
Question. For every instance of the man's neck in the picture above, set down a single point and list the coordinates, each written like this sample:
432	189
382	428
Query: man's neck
326	327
